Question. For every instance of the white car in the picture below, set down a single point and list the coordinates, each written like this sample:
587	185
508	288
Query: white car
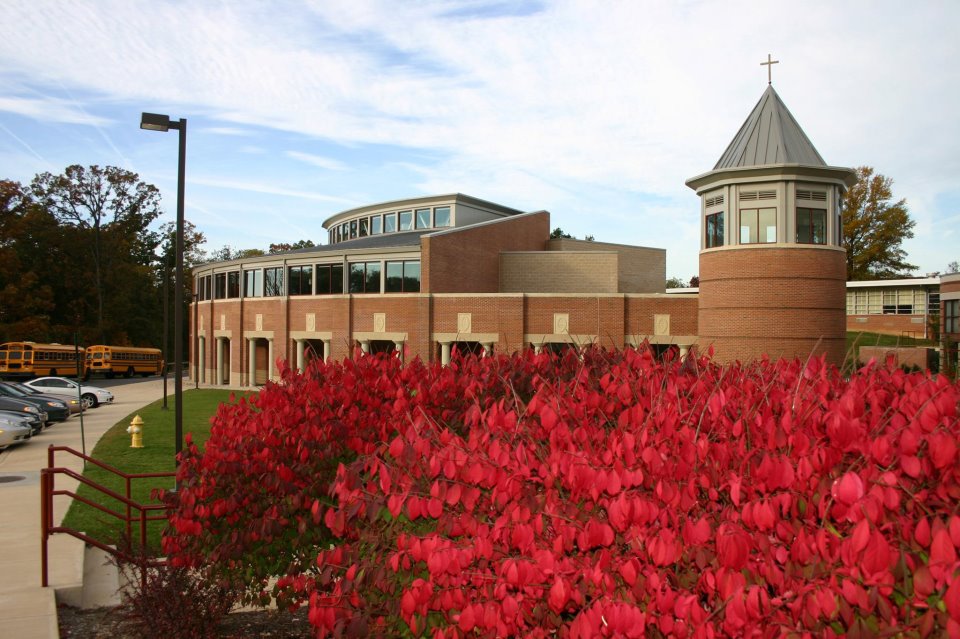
91	396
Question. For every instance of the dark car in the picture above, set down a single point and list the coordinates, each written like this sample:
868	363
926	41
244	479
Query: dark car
73	403
56	409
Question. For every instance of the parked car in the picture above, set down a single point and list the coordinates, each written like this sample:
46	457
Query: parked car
92	396
26	412
13	431
56	409
73	403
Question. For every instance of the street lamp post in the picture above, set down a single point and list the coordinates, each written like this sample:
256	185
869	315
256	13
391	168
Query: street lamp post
166	330
158	122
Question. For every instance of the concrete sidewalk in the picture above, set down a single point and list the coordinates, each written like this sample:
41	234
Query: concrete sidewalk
28	611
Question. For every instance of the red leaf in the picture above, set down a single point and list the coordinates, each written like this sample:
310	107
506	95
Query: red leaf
861	536
467	620
942	550
407	604
910	465
848	489
629	572
943	450
548	417
735	490
453	494
558	596
952	599
922	532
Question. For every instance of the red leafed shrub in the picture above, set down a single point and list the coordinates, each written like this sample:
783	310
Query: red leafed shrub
607	495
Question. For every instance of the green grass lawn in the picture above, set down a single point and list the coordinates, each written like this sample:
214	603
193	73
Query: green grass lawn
156	456
856	339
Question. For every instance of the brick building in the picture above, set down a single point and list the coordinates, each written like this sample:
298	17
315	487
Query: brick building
426	275
905	307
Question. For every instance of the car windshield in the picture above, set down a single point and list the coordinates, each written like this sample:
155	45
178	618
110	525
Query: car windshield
24	388
10	390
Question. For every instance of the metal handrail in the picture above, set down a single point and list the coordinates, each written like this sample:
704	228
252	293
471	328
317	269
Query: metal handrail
48	491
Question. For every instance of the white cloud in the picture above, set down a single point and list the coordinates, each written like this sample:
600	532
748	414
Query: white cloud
318	161
50	110
254	187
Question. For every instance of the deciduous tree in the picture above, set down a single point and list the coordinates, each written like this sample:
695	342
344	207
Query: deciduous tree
874	227
283	247
112	210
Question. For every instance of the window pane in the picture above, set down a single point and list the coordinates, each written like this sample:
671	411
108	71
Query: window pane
394	281
336	279
376	225
323	279
768	225
411	277
748	226
423	218
803	226
353	229
390	223
714	230
441	216
406	220
233	284
818	221
253	283
220	286
301	280
373	277
357	277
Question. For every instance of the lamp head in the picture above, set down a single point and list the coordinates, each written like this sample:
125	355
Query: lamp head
155	122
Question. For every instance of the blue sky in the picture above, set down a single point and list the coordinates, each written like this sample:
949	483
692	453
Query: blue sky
594	111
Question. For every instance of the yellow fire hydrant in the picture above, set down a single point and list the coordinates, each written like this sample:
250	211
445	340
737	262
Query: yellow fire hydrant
136	432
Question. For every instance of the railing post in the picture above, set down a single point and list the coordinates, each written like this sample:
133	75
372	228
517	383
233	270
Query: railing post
44	525
129	514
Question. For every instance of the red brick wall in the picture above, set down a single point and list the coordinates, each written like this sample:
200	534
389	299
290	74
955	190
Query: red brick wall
600	316
887	324
404	314
779	301
682	311
468	260
489	314
902	356
331	314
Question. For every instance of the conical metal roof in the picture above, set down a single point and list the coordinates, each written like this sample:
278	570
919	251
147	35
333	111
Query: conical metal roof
769	136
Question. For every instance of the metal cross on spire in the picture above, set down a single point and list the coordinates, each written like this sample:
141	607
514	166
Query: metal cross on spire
769	64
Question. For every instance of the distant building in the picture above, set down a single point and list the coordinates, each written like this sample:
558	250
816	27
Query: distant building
908	307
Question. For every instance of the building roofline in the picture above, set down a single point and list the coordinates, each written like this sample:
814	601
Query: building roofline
459	229
841	175
913	281
457	198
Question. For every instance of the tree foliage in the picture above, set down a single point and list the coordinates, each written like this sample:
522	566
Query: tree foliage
283	247
874	228
675	282
559	233
80	253
227	253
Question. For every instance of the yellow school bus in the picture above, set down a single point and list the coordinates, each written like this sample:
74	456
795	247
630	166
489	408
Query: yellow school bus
122	360
33	359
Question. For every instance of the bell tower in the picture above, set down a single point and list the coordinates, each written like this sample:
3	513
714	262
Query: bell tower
772	265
